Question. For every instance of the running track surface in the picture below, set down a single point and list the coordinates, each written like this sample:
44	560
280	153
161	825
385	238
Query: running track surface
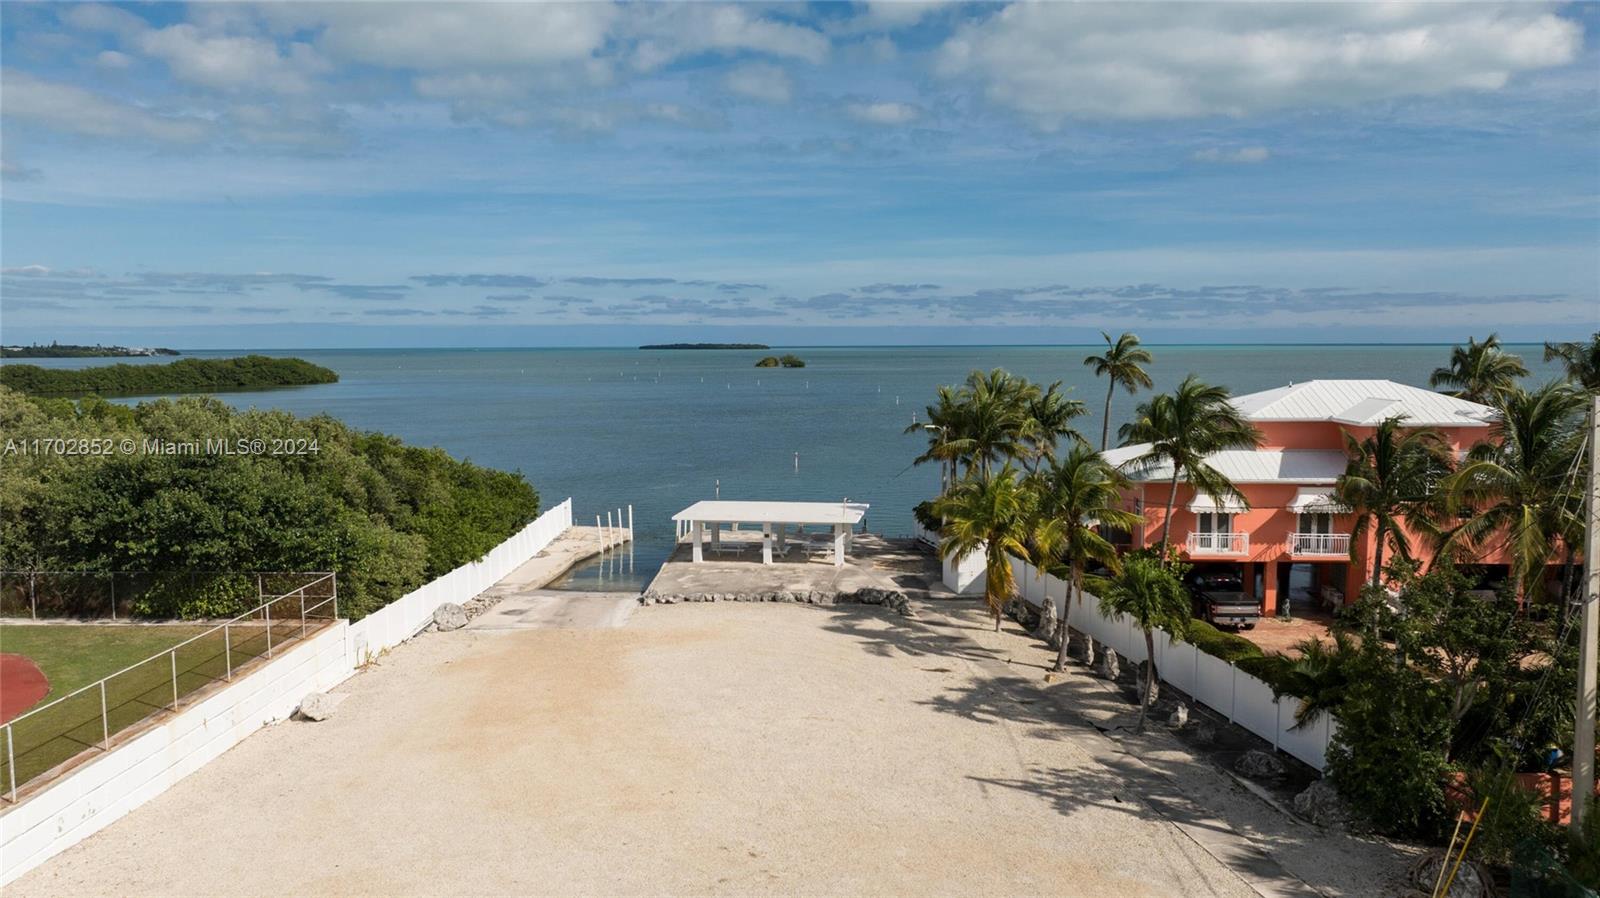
22	684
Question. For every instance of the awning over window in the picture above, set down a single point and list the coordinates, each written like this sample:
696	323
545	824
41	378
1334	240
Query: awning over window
1204	504
1316	500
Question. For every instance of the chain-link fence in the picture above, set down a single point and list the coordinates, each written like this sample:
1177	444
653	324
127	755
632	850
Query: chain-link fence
89	718
95	595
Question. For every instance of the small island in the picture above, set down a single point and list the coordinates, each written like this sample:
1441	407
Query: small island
249	372
76	351
787	361
705	346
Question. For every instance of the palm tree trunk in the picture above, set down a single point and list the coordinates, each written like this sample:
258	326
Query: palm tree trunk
1150	676
1063	631
1377	554
1172	499
1105	421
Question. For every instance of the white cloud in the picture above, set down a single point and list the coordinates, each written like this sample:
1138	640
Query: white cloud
69	108
1241	155
99	17
228	62
432	36
767	83
665	32
886	113
111	59
1057	61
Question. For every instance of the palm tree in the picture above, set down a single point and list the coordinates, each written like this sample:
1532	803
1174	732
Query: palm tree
993	514
1479	372
1121	364
1147	591
1388	480
1318	677
1183	428
1521	488
1082	492
943	427
995	424
1582	360
1051	414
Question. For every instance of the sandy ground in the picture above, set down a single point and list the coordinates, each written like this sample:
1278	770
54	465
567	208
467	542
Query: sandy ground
713	749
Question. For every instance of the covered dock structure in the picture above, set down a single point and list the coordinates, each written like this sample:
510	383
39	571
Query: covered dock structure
775	518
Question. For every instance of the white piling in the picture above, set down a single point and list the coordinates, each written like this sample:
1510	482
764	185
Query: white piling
610	530
602	531
630	523
797	462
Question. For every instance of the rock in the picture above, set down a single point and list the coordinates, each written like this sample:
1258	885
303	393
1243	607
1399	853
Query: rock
1180	716
1258	764
1155	687
319	705
1471	881
1202	733
1109	668
449	616
1320	803
1088	648
1046	628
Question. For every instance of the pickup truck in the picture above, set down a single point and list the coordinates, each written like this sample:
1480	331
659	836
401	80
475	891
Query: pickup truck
1219	598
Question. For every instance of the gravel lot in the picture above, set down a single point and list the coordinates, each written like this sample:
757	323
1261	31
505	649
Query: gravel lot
702	749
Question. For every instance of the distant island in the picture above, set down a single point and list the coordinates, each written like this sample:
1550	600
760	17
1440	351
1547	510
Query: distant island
706	346
185	376
788	361
75	351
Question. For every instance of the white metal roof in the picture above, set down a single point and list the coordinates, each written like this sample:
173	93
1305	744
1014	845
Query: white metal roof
1362	402
1245	465
764	512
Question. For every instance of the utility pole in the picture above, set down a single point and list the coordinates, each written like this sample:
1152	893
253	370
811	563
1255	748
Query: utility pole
1588	635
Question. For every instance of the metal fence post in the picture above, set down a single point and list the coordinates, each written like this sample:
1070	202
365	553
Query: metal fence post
113	576
105	720
11	760
33	601
266	610
227	651
302	612
174	656
335	578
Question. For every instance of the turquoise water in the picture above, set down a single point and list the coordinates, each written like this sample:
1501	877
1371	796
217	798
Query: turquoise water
660	429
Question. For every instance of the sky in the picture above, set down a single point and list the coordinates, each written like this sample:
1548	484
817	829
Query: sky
420	174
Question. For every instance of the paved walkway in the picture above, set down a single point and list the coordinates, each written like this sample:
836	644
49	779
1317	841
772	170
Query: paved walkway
558	609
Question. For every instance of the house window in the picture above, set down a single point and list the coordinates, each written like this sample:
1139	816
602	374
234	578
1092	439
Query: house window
1316	522
1216	522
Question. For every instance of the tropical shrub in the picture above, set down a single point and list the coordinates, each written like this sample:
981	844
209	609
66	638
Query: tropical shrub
385	516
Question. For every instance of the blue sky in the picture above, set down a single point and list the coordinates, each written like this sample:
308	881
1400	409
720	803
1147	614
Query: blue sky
457	174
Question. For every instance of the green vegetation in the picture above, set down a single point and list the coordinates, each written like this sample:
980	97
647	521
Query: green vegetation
1123	366
185	376
787	361
1184	428
75	655
1479	372
75	351
705	346
1148	593
385	516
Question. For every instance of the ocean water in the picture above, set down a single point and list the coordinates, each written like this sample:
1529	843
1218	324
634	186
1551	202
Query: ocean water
660	429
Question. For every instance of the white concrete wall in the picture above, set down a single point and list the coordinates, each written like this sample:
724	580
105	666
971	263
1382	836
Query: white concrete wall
964	575
110	785
1241	697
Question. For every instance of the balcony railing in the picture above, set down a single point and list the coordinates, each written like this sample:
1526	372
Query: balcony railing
1319	544
1218	544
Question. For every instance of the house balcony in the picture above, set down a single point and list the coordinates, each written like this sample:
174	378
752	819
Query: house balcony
1201	543
1326	544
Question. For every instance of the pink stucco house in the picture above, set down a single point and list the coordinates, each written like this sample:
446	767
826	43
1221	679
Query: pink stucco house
1288	539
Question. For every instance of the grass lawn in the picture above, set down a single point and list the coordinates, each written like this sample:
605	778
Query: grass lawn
76	655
